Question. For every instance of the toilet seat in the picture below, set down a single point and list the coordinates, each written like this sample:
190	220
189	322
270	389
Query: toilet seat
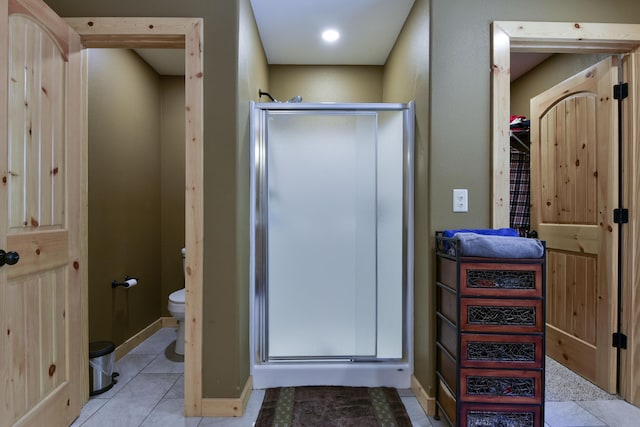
177	296
176	302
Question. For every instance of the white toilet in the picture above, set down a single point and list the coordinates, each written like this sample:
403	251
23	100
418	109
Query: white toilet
176	308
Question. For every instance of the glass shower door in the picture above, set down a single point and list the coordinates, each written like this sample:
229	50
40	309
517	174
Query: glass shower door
322	235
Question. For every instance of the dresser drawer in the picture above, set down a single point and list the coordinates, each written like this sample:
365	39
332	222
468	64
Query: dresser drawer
447	402
446	367
505	280
501	351
501	415
501	315
447	302
447	336
509	386
447	272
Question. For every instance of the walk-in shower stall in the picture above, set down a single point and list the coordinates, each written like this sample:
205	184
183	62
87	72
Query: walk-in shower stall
332	244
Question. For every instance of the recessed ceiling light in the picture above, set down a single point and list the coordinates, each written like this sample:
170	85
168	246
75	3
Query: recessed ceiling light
330	36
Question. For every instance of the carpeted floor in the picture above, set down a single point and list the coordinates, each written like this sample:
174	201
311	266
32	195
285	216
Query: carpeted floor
563	385
332	407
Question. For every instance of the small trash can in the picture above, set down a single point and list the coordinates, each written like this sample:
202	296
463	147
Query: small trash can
101	362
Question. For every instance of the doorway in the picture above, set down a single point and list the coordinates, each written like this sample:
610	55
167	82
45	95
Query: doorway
554	37
185	33
135	192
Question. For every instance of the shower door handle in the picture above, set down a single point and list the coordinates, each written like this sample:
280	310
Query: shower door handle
9	258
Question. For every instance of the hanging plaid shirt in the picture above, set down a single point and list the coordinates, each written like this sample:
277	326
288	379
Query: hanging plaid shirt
519	192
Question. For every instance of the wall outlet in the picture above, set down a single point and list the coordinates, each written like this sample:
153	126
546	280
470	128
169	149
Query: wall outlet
460	200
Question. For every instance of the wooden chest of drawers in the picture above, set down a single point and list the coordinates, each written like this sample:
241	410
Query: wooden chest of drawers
489	339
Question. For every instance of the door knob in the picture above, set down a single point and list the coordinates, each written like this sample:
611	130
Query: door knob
9	258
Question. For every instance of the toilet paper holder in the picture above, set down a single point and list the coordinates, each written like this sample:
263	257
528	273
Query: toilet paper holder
126	283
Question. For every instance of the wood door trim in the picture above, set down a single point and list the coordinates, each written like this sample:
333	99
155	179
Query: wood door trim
572	37
524	36
171	33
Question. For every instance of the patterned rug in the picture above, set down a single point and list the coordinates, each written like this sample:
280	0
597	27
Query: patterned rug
332	407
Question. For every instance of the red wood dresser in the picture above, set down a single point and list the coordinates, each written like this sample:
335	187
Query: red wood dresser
489	339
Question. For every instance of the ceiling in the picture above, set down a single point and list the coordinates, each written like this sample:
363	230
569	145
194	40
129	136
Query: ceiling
521	63
290	30
290	33
166	62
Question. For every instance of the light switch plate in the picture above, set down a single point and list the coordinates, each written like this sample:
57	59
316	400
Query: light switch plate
460	200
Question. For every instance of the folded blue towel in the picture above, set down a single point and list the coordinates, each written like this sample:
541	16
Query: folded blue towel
485	231
446	247
492	246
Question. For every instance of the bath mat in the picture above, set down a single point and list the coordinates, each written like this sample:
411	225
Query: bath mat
331	406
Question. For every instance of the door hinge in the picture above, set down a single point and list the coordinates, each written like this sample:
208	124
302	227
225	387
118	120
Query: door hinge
619	340
621	91
621	216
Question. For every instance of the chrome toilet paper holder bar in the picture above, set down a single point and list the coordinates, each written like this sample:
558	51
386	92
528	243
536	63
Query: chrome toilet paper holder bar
126	283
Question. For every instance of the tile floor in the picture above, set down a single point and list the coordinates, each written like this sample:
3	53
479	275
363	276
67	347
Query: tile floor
150	392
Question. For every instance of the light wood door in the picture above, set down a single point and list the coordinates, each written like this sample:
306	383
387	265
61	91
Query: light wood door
41	351
573	191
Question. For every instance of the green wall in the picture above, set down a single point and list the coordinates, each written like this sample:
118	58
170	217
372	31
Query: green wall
326	83
124	193
406	78
136	192
252	74
172	176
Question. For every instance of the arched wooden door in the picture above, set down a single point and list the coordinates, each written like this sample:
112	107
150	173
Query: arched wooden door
41	360
573	193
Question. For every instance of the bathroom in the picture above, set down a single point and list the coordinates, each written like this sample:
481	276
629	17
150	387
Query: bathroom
136	193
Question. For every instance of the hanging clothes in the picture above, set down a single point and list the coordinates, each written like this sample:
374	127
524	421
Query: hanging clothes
519	190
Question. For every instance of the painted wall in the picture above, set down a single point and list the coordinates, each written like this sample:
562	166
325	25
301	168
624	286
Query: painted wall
233	348
549	73
172	174
406	78
124	193
326	83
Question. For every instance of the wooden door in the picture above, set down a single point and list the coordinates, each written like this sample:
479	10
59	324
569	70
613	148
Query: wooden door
41	353
573	193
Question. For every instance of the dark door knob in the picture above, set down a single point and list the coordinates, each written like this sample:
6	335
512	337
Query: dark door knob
9	258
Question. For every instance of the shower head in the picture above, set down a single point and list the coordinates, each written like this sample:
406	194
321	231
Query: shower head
295	99
261	92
